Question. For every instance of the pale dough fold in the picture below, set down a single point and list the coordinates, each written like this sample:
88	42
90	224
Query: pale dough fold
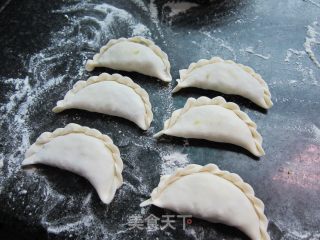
214	120
83	151
217	196
114	95
227	77
135	54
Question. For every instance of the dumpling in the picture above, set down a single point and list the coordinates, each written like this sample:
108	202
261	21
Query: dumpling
81	150
135	54
214	120
217	196
227	77
110	94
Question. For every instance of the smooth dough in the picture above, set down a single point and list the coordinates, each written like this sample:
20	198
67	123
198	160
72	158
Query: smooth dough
217	196
81	150
135	54
214	120
227	77
110	94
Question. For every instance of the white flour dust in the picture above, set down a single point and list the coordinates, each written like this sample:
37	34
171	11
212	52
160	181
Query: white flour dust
251	51
177	8
316	132
173	160
312	40
307	73
89	27
83	222
298	57
141	5
154	15
239	21
291	51
293	234
223	44
314	3
21	87
41	65
154	11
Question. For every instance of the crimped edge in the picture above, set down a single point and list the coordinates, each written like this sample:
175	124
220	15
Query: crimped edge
91	64
235	179
219	101
108	77
202	62
75	128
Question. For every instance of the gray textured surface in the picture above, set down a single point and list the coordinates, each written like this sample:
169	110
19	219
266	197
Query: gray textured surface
43	49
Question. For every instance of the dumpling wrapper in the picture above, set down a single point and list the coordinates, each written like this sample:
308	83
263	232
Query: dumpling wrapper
217	196
110	94
214	120
227	77
83	151
135	54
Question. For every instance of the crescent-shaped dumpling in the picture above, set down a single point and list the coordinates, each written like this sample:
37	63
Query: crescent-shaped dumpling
227	77
110	94
83	151
214	120
135	54
217	196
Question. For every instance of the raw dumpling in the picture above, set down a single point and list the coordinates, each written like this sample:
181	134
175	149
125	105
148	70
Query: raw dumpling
84	151
214	120
217	196
110	94
227	77
135	54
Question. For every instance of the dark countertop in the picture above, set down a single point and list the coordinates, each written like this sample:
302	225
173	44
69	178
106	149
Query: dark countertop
44	45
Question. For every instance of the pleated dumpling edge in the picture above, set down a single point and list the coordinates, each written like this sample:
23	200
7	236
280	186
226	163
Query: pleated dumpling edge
89	164
217	101
167	181
105	77
263	101
164	76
